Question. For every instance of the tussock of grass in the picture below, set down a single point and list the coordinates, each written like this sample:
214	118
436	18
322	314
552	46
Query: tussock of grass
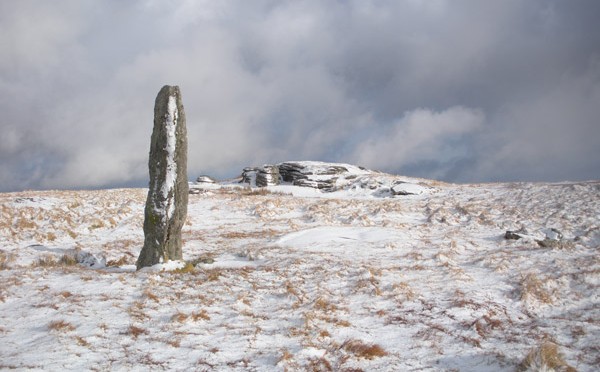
81	341
285	356
5	259
179	317
67	260
319	364
188	268
202	314
259	191
46	261
60	325
124	260
545	357
151	296
49	261
363	350
136	331
532	288
324	305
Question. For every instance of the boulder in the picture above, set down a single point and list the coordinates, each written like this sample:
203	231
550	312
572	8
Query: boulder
516	235
205	179
166	204
554	239
249	176
322	176
268	175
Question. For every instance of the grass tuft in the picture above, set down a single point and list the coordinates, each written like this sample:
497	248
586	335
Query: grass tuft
49	261
179	317
319	364
124	260
545	357
81	341
136	331
532	288
188	268
5	259
46	261
60	325
67	260
363	350
151	296
202	314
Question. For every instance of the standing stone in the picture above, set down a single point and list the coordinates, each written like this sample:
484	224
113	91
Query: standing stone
166	205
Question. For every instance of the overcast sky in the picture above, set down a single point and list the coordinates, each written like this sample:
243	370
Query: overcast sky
462	91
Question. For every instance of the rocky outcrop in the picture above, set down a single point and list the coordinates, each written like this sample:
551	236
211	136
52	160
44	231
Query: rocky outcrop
319	177
267	175
331	177
166	204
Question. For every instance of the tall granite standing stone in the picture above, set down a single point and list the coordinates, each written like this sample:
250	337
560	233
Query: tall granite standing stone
166	205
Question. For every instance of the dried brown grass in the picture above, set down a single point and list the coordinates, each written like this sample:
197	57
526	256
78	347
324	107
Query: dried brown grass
151	296
188	268
179	317
125	259
319	365
363	350
51	261
135	331
81	341
324	305
202	314
5	259
60	326
545	357
532	289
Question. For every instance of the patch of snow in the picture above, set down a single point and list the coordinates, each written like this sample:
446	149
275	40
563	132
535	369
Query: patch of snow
171	167
165	266
406	188
298	274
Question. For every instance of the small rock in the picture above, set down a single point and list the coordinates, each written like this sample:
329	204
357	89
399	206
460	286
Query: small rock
554	234
554	239
205	179
511	235
515	235
91	260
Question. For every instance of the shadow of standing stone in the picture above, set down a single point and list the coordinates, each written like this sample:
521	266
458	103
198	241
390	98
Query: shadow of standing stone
166	205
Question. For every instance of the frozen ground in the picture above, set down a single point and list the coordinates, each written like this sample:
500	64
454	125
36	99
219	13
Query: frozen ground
295	279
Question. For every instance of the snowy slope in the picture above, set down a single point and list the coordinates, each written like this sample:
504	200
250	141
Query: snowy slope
291	278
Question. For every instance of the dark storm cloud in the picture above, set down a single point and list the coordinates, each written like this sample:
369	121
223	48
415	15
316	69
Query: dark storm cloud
456	90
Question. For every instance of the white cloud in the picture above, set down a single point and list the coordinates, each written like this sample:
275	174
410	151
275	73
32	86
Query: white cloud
420	135
557	133
269	81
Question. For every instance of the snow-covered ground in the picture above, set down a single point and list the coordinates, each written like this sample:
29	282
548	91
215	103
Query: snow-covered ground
291	278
